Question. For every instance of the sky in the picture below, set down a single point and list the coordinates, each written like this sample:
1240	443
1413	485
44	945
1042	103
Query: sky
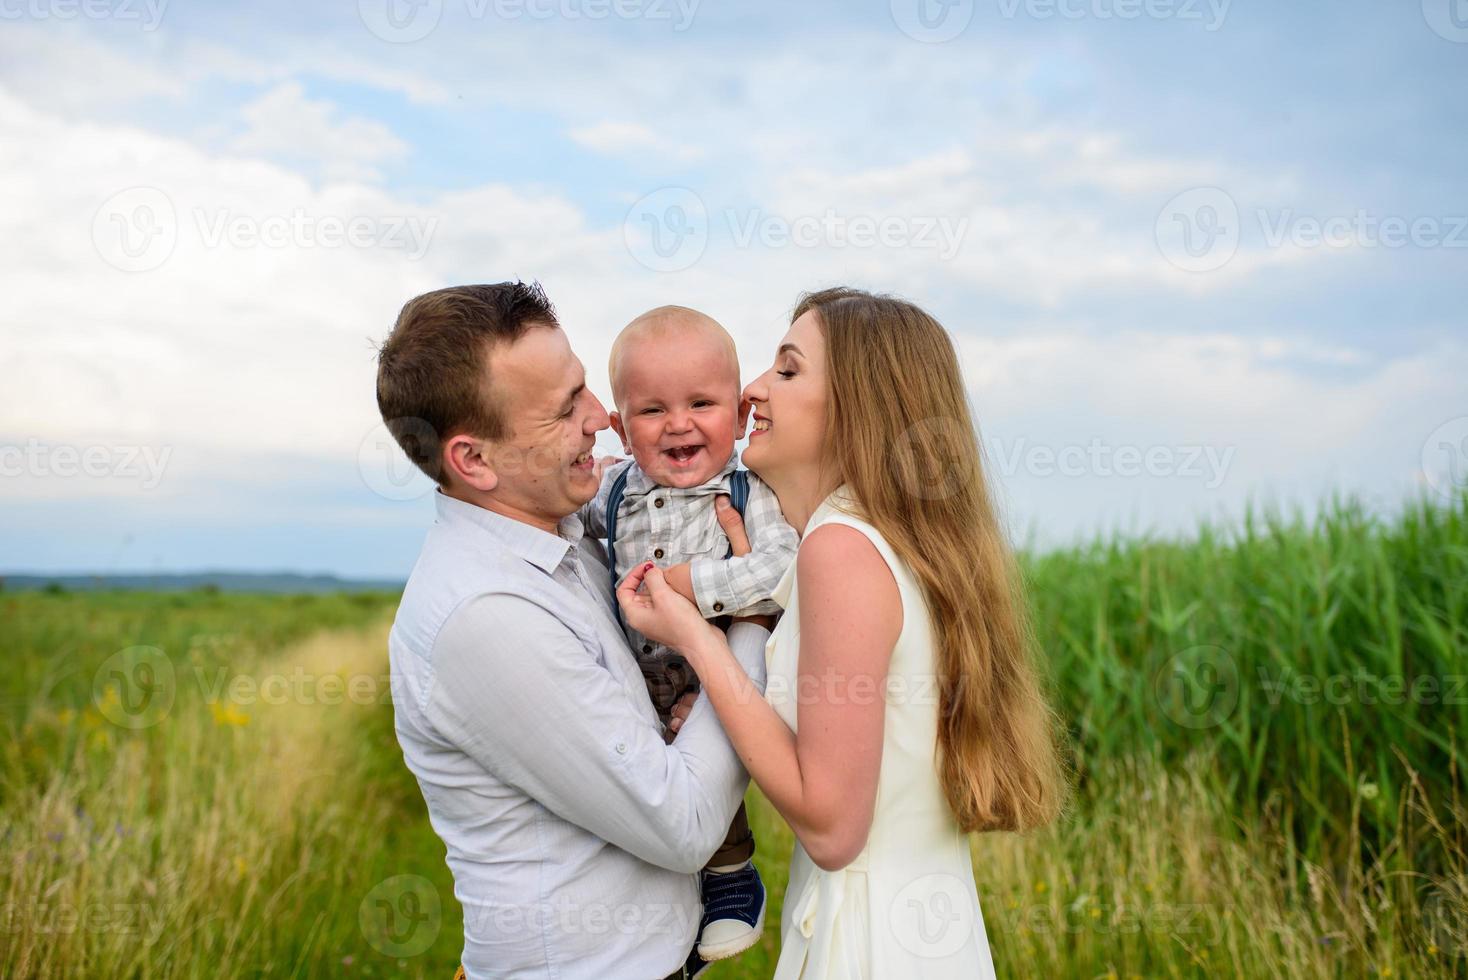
1195	255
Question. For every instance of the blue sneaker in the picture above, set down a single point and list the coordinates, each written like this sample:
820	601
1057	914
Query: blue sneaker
733	913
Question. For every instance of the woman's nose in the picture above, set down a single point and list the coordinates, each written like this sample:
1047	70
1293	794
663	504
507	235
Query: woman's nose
755	390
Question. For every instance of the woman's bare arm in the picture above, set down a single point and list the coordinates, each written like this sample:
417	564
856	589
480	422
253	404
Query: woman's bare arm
823	781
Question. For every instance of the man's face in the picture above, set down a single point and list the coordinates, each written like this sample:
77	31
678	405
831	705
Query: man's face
543	465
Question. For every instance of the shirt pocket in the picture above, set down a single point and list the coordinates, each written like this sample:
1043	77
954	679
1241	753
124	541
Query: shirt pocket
703	539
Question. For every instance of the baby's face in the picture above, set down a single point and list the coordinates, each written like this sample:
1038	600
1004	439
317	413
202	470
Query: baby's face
679	407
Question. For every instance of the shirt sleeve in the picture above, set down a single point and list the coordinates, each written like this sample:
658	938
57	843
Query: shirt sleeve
517	691
743	586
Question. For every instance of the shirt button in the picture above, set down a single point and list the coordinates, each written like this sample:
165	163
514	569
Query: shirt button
621	748
647	648
718	607
657	502
658	553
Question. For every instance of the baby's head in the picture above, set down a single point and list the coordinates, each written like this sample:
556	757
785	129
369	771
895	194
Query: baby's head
675	379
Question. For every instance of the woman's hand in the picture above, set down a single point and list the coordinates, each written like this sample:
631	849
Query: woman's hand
732	524
659	613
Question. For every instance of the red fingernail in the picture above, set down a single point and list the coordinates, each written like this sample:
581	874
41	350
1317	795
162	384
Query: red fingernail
647	566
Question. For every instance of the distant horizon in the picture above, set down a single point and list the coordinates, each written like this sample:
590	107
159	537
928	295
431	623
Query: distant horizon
1290	511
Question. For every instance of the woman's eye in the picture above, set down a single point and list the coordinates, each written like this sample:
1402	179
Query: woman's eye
786	374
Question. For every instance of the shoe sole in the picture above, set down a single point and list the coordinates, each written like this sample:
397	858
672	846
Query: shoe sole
734	947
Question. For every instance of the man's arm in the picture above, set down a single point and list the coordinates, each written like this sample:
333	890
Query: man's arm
516	690
742	585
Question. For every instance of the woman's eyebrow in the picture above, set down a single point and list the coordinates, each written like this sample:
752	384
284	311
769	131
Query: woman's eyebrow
790	347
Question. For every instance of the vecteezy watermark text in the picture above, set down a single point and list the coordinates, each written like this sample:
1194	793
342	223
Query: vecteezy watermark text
669	229
137	229
406	21
41	460
1099	459
148	13
1200	229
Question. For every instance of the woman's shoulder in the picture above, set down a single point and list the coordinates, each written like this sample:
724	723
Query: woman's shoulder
842	507
844	552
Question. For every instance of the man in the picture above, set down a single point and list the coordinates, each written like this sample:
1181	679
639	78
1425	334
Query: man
573	829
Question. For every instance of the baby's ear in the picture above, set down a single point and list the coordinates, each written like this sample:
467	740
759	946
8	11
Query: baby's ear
617	428
745	407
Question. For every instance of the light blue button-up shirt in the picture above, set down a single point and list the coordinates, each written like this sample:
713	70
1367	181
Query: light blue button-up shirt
573	831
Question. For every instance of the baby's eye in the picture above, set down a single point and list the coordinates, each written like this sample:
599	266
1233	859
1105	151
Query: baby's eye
701	404
648	411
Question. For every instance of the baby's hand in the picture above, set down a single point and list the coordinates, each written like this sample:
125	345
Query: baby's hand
600	466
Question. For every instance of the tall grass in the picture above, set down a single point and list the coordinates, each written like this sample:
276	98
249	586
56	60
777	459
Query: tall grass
237	835
1267	783
1321	670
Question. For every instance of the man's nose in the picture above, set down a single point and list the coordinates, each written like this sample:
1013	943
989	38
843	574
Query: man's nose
598	419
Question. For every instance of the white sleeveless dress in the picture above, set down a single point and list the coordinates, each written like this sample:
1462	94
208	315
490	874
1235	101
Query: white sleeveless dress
906	907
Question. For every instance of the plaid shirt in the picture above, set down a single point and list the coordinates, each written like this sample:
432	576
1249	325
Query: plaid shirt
672	525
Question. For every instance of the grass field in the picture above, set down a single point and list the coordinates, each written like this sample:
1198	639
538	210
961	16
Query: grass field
1267	727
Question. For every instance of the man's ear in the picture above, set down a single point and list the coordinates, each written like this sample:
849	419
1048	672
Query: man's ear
616	418
465	458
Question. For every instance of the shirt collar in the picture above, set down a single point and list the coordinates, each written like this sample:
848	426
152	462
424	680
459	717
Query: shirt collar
638	482
540	548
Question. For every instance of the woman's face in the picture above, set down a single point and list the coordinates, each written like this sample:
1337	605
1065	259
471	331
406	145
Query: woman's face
789	406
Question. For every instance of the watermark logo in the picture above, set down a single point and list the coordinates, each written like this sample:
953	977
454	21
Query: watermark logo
932	21
667	230
400	21
1447	18
1197	687
1198	230
1445	457
401	916
933	916
134	688
1445	915
386	469
136	230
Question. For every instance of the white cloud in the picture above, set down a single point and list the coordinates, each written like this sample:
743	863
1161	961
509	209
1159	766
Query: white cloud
285	123
614	138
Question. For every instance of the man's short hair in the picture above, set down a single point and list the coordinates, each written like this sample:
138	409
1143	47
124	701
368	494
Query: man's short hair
432	378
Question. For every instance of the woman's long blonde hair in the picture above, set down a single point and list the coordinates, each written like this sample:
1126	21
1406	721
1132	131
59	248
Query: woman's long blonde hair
901	436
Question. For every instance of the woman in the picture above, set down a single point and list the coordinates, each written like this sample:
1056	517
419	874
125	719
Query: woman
902	709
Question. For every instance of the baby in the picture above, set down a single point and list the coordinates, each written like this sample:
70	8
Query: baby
675	382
